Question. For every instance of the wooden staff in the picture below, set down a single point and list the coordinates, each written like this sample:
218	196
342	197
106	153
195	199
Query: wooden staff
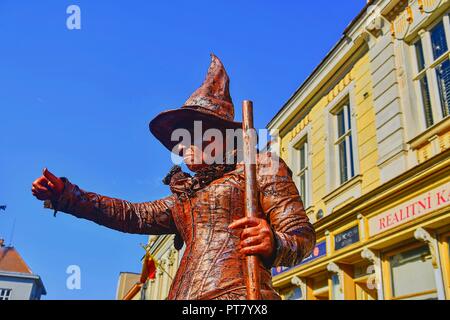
252	281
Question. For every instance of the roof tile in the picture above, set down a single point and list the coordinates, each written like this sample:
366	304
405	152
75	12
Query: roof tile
11	261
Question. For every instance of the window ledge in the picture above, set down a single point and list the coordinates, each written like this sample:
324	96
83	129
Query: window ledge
343	188
425	136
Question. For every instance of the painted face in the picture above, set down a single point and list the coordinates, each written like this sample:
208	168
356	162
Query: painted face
199	155
194	157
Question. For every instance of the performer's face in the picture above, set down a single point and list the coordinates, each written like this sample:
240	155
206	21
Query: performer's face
193	157
196	158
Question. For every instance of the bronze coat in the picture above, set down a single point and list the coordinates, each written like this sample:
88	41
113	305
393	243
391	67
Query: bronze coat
211	267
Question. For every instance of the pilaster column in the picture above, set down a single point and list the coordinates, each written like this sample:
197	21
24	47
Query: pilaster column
335	269
376	280
298	282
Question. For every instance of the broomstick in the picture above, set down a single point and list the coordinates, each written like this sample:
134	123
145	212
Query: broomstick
252	281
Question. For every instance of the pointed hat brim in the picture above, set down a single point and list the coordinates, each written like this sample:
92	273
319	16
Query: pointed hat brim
164	124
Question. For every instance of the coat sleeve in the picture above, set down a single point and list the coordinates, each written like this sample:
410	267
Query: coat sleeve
153	217
294	235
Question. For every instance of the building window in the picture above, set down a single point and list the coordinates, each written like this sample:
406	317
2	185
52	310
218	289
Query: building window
412	275
5	294
433	72
344	144
294	294
300	167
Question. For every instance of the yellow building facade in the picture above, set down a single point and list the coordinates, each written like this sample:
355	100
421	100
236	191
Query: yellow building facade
367	137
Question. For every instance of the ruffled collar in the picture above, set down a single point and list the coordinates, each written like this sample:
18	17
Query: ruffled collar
185	185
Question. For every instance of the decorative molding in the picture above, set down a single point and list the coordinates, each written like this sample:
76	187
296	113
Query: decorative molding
341	86
299	283
162	267
422	235
299	127
373	258
424	137
356	180
394	154
361	225
172	256
369	255
334	268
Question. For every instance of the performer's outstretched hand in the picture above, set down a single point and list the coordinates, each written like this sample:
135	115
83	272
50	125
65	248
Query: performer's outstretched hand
47	186
256	238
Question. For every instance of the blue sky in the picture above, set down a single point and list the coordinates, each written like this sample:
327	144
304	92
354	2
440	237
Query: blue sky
79	103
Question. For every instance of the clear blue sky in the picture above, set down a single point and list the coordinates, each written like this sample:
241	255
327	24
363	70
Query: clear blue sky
79	103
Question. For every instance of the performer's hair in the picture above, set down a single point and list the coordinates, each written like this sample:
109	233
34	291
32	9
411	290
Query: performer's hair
175	169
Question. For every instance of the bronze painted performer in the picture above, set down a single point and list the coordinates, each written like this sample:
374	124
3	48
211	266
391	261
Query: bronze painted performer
205	211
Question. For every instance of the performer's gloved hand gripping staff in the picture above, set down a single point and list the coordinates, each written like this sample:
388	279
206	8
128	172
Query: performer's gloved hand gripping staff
206	211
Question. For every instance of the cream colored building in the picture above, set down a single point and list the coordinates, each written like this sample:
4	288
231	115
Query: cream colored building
168	260
367	137
126	281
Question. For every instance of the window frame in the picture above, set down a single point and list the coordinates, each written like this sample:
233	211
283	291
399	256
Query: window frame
347	95
302	138
429	71
387	272
348	137
7	295
302	172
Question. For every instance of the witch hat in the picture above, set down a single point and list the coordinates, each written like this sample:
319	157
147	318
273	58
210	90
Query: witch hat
211	104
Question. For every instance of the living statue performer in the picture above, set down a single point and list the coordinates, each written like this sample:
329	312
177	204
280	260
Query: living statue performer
204	211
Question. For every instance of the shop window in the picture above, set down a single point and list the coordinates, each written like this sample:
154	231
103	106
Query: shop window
294	294
432	71
5	294
320	288
412	275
